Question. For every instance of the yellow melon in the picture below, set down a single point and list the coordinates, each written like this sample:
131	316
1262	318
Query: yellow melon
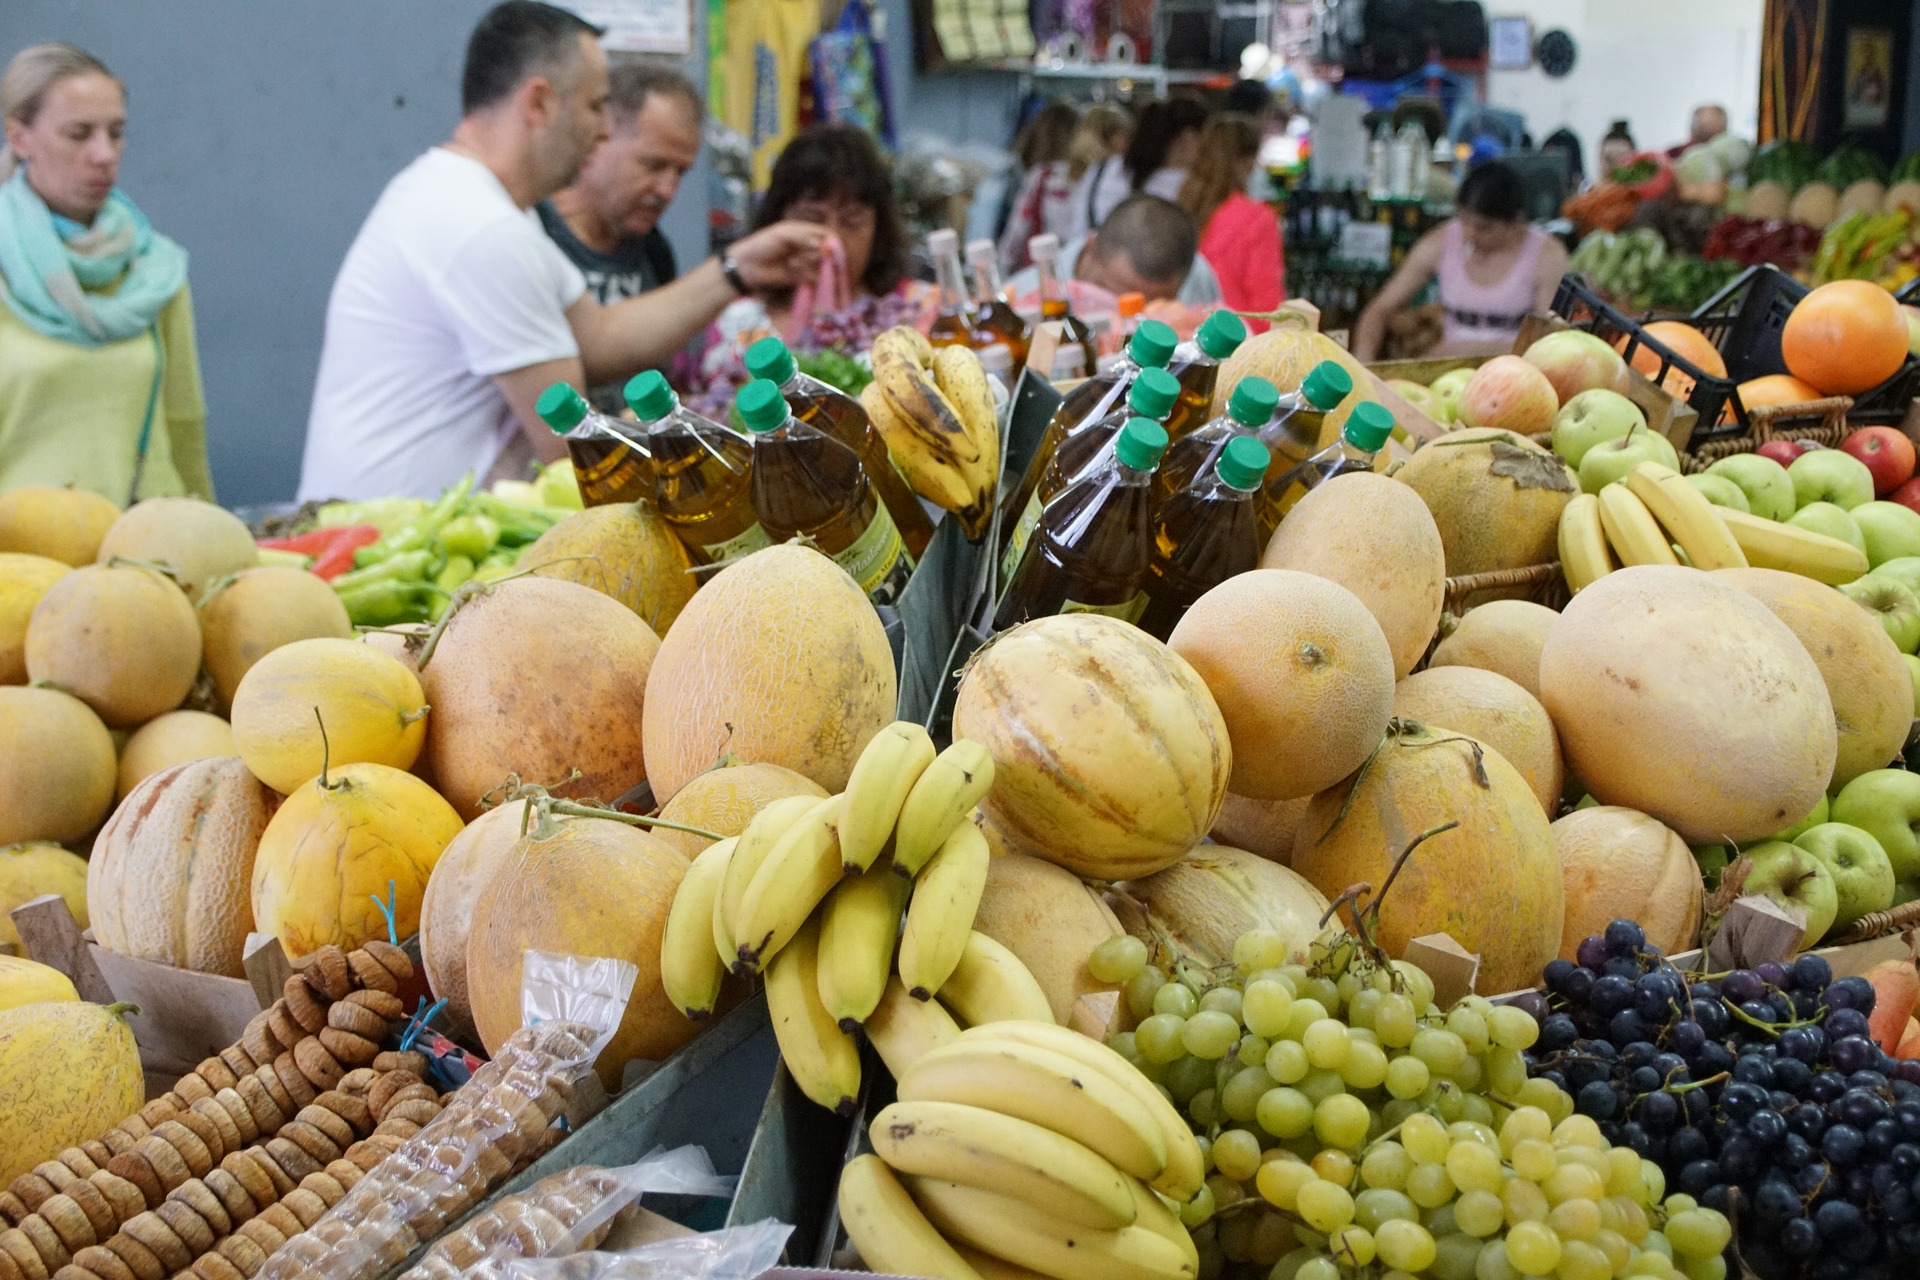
60	524
779	660
1302	673
1265	827
1492	883
1110	756
170	879
1284	356
1495	496
342	841
369	709
1052	920
1865	675
196	542
1376	538
69	1071
541	679
29	870
465	868
56	766
622	550
1616	864
1501	636
174	738
1682	696
23	580
258	610
1192	911
725	800
592	887
121	639
24	981
1492	709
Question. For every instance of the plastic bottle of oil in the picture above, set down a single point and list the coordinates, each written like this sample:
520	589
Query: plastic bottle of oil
806	484
953	312
1074	357
1204	534
839	415
1293	435
1367	429
1196	362
611	462
1090	552
996	323
702	474
1249	409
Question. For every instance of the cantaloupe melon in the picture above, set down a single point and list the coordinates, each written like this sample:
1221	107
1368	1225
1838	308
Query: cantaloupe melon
539	678
1302	673
121	639
1681	696
171	875
258	610
1376	538
622	550
1502	636
1052	920
370	708
593	887
780	659
23	580
725	800
1617	864
29	870
69	1071
1492	883
168	740
1496	497
60	524
197	542
1768	201
1284	356
56	766
1815	204
1265	827
464	869
1202	903
1110	756
1492	709
24	981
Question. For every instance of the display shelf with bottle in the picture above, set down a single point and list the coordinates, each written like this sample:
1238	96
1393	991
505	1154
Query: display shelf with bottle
1196	363
611	460
1074	356
953	320
1204	534
996	324
1366	432
1250	409
1127	309
702	474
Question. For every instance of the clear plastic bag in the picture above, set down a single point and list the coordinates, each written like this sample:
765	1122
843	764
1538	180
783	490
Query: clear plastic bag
593	990
736	1253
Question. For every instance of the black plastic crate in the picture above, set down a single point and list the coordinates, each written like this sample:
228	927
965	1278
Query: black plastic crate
1582	308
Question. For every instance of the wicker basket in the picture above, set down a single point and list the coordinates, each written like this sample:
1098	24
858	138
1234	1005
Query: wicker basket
1828	426
1540	583
1878	924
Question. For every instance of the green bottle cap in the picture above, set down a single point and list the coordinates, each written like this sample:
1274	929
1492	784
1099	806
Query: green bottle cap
1152	344
770	359
560	407
1253	402
1326	386
1153	393
1243	462
1141	443
762	407
1221	334
649	396
1369	426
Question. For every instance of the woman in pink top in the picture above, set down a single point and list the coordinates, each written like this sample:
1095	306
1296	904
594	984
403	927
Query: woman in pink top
1239	236
1492	265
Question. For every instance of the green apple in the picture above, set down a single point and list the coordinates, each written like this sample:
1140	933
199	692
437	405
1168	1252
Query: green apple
1768	487
1904	570
1886	805
1913	672
1446	390
1829	475
1822	813
1712	860
1825	517
1591	418
1414	394
1891	530
1721	492
1897	608
1905	891
1610	460
1862	875
1793	877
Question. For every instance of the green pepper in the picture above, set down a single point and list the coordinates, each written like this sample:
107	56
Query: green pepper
421	530
471	536
406	566
519	525
385	514
458	570
493	568
384	603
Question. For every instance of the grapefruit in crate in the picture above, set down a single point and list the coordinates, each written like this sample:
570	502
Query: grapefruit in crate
1684	341
1845	337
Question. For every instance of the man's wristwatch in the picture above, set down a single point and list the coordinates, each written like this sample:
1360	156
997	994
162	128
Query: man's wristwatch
731	270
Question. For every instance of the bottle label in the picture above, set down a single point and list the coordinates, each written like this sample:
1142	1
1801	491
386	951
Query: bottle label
878	559
1069	362
1022	535
734	548
996	357
1126	610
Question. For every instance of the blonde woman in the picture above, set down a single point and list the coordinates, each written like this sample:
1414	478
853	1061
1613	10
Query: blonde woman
99	373
1044	200
1239	236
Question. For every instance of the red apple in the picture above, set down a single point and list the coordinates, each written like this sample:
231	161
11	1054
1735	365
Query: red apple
1782	451
1888	455
1574	361
1907	495
1509	394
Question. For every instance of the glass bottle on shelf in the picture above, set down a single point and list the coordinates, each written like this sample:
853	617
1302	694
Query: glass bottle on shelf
611	462
953	310
1249	410
702	474
1293	434
1196	362
1126	318
1203	535
1074	357
995	320
1367	429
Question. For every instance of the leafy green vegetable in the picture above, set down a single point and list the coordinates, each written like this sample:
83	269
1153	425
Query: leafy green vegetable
836	369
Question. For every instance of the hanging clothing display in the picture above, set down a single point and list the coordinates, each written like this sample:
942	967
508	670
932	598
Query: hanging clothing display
850	75
767	42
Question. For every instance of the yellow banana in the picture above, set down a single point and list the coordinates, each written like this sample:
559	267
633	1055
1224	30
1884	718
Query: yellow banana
1584	557
991	984
963	380
1029	1236
904	1030
1771	545
936	478
946	894
888	767
976	1147
1048	1088
1153	1214
858	924
823	1060
690	969
889	1230
1684	512
958	779
1636	537
992	1268
766	827
796	876
902	342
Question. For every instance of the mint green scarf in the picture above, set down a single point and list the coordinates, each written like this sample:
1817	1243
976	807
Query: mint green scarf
54	270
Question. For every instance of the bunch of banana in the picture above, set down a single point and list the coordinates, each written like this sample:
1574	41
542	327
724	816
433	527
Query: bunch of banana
813	893
1654	516
935	410
1023	1148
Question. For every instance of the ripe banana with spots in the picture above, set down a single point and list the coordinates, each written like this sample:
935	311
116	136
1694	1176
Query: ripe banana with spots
888	1228
823	1060
958	779
766	827
858	924
882	777
1635	536
1684	512
1769	544
946	897
904	1030
991	984
1030	1236
799	871
935	410
690	969
1584	557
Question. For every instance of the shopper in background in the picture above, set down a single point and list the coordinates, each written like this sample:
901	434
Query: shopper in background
1239	236
1044	201
1163	146
453	310
1147	246
1492	265
1617	150
1095	160
1709	122
99	373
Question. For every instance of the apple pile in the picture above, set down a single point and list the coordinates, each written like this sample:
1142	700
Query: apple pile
1524	393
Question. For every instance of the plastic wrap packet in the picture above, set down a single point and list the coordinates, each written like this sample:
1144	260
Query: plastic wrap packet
735	1253
565	1213
587	989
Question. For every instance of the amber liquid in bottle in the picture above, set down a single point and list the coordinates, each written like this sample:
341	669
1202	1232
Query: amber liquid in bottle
953	322
995	320
1194	456
703	487
840	416
610	468
1076	339
1196	362
806	484
1202	535
1366	433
